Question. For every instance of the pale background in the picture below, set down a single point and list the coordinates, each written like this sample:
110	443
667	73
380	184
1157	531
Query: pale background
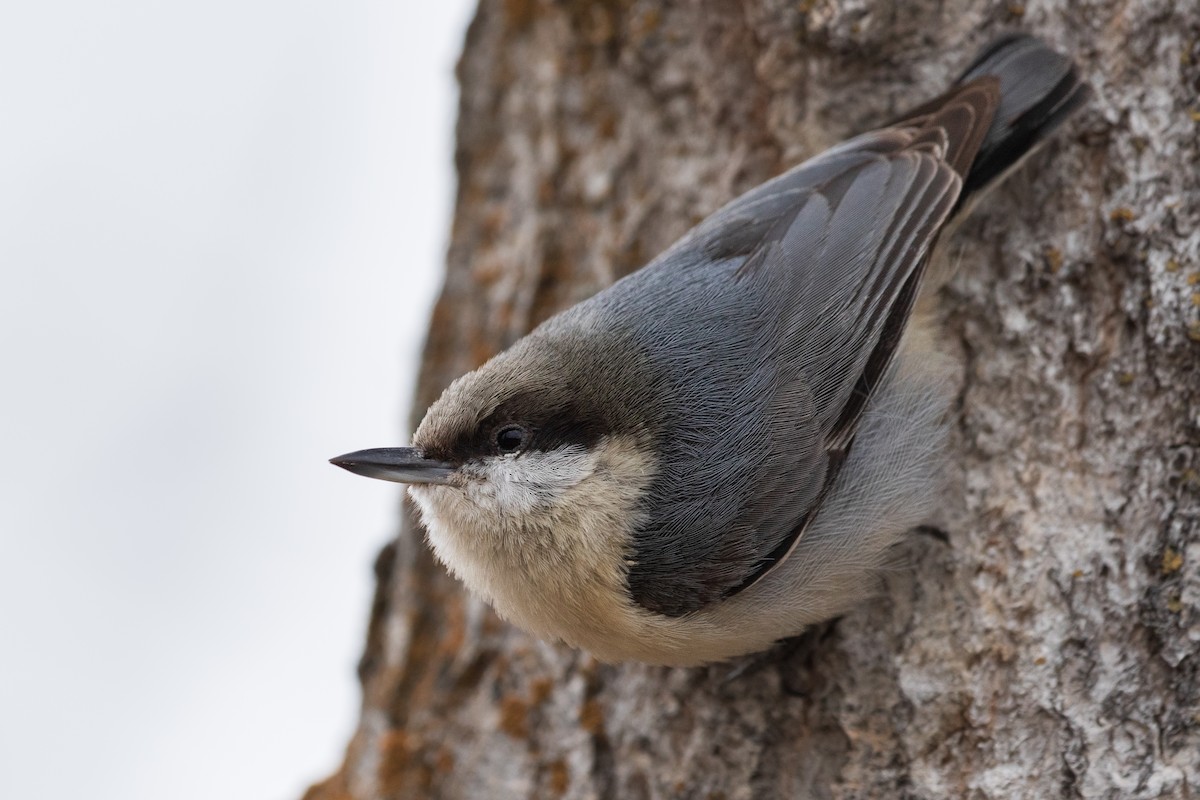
221	228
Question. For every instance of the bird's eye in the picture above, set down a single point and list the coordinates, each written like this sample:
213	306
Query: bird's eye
510	439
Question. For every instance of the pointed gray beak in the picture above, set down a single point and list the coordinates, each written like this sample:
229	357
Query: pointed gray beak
399	464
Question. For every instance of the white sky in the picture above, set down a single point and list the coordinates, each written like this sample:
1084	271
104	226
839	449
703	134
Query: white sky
221	229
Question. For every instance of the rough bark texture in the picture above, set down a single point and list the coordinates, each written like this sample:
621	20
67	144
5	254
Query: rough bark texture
1051	646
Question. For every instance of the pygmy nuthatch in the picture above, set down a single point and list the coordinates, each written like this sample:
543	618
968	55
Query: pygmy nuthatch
721	448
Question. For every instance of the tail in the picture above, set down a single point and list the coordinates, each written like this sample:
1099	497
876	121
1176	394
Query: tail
1039	90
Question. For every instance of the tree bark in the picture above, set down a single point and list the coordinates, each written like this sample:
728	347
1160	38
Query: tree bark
1050	645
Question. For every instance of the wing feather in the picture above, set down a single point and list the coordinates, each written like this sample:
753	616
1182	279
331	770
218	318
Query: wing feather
825	262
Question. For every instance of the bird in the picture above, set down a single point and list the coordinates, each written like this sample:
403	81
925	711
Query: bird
723	447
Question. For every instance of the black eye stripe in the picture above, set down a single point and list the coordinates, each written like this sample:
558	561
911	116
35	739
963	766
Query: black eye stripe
544	424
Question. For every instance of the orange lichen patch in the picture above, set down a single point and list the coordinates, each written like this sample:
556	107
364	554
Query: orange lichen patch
558	777
1054	259
453	631
1123	214
1126	379
1175	604
445	762
486	271
491	224
443	318
1040	660
514	717
520	14
1172	561
480	353
606	124
1193	279
1016	10
1194	331
540	691
591	717
596	21
399	751
645	23
1172	265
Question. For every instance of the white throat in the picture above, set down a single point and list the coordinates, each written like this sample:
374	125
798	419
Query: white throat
544	537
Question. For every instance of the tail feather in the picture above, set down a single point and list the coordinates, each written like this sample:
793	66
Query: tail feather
1039	89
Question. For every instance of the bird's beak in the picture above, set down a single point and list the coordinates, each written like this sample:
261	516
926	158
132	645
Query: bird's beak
399	464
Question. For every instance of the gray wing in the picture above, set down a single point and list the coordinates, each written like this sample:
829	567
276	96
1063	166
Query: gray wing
787	306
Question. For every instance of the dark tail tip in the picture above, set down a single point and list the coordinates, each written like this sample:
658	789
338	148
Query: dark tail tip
1039	90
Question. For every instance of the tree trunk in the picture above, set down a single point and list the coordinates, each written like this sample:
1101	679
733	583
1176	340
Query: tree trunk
1049	646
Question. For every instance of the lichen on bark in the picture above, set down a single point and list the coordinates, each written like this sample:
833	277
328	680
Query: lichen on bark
1050	647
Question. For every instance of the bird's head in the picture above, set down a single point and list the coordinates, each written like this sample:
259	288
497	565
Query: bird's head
529	474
